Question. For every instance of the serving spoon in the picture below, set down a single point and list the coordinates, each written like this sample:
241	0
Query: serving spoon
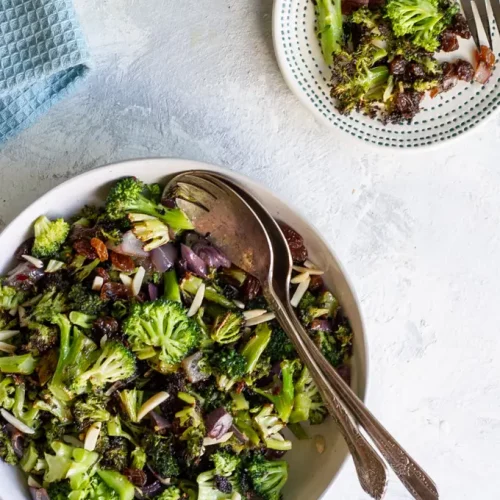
214	208
414	478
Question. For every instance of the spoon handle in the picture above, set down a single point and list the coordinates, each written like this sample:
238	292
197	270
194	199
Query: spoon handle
415	479
370	468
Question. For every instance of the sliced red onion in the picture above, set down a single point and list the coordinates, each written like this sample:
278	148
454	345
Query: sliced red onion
212	256
218	423
39	494
152	291
149	490
194	263
130	246
191	366
24	275
160	423
324	325
164	257
16	439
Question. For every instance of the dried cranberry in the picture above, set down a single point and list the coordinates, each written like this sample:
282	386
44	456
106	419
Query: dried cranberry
486	55
24	249
464	70
449	41
136	476
295	243
413	72
349	6
397	66
122	262
100	248
114	291
83	247
251	288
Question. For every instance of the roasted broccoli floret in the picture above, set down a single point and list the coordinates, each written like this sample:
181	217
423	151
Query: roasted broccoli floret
49	236
171	493
7	390
161	328
84	300
280	347
228	328
131	400
90	410
59	490
81	271
128	196
115	363
117	454
208	488
225	462
23	364
269	426
55	406
335	346
161	456
307	403
268	477
228	362
281	392
10	298
150	230
42	338
329	29
421	20
7	453
194	450
52	302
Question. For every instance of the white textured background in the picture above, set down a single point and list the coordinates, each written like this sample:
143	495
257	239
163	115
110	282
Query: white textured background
418	231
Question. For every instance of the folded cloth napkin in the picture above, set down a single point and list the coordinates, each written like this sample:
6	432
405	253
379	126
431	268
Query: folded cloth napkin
42	56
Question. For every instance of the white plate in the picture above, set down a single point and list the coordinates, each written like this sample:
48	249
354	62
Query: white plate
310	473
446	116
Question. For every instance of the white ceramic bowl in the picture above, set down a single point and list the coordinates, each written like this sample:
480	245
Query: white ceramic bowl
310	473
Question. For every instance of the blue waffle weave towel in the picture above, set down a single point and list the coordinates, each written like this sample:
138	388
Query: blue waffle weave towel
42	56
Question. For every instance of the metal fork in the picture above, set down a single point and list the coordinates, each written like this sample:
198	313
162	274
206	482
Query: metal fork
489	37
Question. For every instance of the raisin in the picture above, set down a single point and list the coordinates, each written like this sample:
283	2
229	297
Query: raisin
100	248
408	103
100	271
122	262
114	291
413	72
83	247
106	326
295	243
464	70
136	476
460	27
449	41
397	66
24	249
345	372
316	283
251	288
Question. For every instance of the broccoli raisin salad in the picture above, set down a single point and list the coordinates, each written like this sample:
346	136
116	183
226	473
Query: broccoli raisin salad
137	361
382	53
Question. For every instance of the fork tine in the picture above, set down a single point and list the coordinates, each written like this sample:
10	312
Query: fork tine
493	25
482	37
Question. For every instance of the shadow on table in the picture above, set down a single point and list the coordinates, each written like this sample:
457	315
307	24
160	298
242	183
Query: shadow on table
265	23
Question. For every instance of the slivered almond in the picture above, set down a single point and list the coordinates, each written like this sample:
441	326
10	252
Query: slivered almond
299	292
33	483
310	265
197	301
239	304
151	404
126	280
8	334
16	422
319	442
92	436
309	270
54	265
137	281
260	319
97	283
300	278
253	313
33	260
4	347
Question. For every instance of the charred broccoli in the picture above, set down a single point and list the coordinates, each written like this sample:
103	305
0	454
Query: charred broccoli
90	410
268	477
227	328
49	236
150	230
42	338
330	27
161	456
10	298
84	300
161	328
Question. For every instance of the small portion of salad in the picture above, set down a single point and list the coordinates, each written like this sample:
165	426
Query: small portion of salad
382	53
137	361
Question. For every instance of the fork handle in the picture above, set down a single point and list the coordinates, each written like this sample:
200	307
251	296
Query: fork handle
369	467
415	479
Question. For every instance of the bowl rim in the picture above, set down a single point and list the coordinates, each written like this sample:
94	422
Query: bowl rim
177	165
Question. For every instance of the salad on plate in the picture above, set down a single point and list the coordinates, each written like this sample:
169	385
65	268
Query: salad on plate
137	361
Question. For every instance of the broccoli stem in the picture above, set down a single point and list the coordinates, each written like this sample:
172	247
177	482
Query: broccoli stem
298	431
330	27
256	345
29	459
24	364
171	290
118	483
191	283
56	385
